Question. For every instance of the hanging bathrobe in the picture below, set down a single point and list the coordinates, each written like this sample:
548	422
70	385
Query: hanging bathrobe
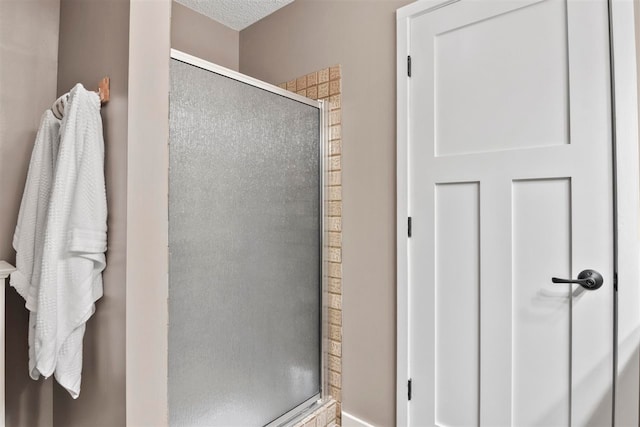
75	242
28	238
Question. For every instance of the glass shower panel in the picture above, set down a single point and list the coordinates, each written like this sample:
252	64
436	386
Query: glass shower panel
244	251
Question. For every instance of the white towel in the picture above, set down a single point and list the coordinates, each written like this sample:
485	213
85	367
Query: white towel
74	244
29	234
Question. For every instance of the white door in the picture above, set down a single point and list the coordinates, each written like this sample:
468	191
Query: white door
509	184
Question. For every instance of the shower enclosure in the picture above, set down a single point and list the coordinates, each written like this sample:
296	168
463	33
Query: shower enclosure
245	248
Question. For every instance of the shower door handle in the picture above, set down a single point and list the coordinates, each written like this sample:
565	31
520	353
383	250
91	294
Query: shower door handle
588	279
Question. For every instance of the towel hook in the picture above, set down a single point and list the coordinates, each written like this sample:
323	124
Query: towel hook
103	90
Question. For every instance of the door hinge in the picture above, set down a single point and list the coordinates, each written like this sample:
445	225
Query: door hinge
409	65
409	388
409	227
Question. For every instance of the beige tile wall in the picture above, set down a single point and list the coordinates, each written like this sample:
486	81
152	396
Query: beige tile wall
325	416
326	84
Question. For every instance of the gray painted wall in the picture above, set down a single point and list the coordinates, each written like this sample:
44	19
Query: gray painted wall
201	36
90	39
308	35
28	69
147	214
94	42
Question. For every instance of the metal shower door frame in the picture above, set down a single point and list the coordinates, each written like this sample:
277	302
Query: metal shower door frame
315	401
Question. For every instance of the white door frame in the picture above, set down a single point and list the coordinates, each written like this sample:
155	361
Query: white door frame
627	176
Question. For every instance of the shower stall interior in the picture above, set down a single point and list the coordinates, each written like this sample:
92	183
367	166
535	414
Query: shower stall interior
246	203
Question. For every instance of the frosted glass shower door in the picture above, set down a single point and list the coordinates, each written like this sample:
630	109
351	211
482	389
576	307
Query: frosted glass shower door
245	240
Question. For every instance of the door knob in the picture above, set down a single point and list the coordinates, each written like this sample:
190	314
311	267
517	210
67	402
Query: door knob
588	279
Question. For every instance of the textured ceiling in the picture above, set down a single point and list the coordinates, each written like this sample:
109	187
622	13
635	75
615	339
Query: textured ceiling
236	14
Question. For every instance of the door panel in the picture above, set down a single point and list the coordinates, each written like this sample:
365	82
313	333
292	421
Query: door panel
509	184
457	302
468	79
541	224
